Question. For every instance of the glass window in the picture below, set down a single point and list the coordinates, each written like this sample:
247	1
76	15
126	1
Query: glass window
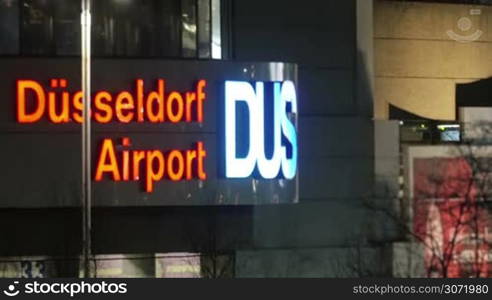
67	27
136	28
9	26
168	29
50	27
37	27
120	28
204	29
216	30
102	37
188	17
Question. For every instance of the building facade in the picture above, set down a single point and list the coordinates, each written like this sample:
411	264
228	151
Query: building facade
433	82
370	79
313	230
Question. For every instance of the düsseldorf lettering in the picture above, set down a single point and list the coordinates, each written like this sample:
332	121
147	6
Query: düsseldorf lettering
157	106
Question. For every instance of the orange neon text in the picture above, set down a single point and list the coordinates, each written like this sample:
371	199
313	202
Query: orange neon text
149	166
155	105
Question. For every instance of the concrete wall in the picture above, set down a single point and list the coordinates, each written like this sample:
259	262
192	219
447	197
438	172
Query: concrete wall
331	42
309	263
419	56
386	180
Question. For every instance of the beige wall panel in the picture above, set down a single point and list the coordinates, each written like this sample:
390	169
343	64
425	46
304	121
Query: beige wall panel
433	59
412	20
429	98
417	63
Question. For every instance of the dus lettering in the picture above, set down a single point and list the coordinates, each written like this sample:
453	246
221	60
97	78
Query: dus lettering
284	135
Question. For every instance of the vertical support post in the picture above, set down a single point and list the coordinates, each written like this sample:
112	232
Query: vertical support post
86	135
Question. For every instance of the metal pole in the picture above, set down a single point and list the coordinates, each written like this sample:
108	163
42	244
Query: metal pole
86	135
